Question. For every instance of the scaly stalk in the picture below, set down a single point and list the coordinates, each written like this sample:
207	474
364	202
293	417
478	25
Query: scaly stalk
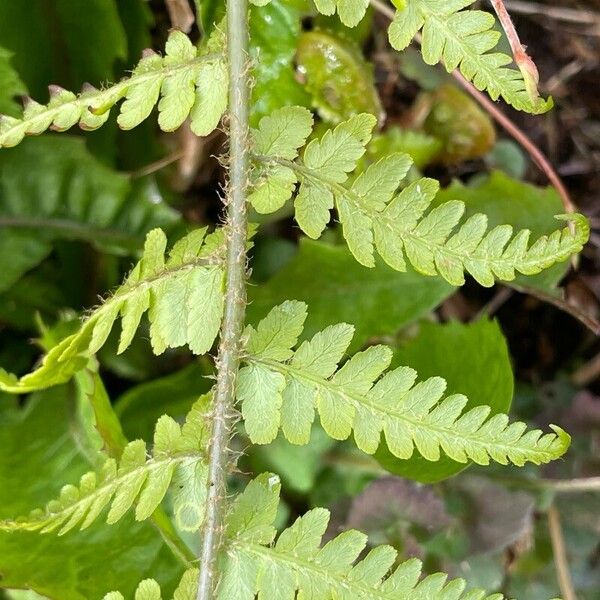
235	295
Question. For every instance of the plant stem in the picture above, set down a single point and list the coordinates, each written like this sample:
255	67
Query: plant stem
560	555
235	294
505	122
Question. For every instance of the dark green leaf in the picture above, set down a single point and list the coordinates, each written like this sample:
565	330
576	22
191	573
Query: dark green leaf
65	42
69	194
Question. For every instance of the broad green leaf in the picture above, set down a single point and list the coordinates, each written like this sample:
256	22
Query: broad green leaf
79	53
69	195
37	439
336	287
337	76
444	350
274	32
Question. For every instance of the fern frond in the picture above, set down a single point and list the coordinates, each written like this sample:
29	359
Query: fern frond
399	226
185	82
256	563
465	39
183	294
282	388
351	12
178	455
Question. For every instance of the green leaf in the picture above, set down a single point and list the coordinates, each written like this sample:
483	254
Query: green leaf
506	200
330	159
183	295
401	226
134	479
337	76
359	398
38	439
279	134
444	350
336	287
463	39
69	195
297	563
10	85
274	32
172	78
78	52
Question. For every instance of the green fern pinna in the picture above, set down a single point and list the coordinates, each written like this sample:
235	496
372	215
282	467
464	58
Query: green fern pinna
194	294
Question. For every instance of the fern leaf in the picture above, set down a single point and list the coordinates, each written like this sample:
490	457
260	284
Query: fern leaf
258	562
182	293
465	39
363	399
135	479
398	226
186	81
351	12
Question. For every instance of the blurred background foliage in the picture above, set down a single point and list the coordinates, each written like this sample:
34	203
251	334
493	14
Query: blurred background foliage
74	211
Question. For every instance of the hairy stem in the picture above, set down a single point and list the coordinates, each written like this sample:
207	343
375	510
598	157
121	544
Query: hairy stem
235	294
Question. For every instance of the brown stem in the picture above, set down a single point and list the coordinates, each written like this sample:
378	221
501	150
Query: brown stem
511	128
560	555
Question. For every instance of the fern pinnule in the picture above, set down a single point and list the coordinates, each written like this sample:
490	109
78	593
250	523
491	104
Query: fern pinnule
280	388
178	454
182	293
185	82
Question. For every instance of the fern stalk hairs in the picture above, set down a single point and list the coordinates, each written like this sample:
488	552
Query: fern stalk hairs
269	375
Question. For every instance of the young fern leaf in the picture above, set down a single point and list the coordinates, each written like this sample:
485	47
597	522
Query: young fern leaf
256	563
178	455
185	82
400	225
183	294
295	565
282	388
464	39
